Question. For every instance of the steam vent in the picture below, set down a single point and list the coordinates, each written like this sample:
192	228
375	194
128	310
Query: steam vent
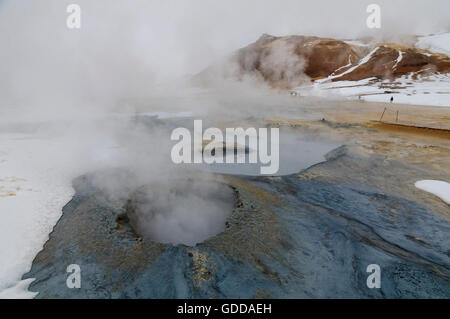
292	236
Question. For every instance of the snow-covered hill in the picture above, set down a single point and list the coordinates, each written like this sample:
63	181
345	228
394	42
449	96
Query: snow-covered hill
421	88
439	43
367	70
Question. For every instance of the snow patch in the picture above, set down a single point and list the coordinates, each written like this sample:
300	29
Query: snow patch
19	291
361	62
439	188
344	66
32	193
425	90
439	43
357	43
399	59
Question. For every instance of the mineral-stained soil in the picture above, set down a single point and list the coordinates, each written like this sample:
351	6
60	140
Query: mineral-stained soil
289	61
306	235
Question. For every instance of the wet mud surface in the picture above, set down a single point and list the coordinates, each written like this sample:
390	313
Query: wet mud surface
305	235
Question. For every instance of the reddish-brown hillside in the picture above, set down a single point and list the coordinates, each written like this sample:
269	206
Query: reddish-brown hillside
286	61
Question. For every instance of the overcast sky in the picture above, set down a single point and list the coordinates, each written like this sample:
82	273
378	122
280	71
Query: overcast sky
150	39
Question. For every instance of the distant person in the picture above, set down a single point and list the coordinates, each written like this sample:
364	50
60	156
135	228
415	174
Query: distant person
392	99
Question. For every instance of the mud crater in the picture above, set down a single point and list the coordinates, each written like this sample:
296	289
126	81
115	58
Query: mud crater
187	212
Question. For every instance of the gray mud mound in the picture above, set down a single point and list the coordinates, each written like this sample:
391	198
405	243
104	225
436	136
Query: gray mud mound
307	235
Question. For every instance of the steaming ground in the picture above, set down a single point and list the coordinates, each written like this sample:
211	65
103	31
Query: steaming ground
61	89
36	170
42	152
40	158
345	214
38	161
187	212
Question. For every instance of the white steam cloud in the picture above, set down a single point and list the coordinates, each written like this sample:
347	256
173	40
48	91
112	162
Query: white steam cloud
73	86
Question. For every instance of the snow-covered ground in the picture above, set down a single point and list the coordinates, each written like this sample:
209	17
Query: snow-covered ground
32	194
439	43
438	188
38	161
429	90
